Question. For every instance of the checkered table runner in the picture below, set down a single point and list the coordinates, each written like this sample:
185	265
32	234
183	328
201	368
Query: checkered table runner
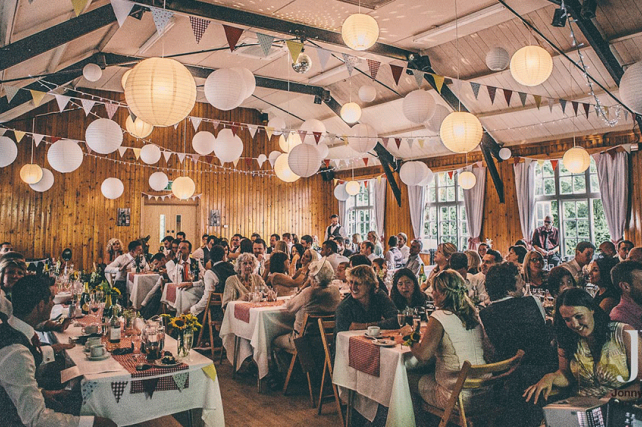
242	310
170	294
166	383
129	363
363	355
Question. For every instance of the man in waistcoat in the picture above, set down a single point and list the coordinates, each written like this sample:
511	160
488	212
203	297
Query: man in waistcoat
334	229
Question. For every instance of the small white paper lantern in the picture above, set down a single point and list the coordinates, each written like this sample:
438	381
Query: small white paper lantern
304	160
183	187
249	81
282	169
576	160
8	151
359	31
294	139
104	136
351	112
158	181
531	65
418	106
428	179
413	173
225	89
273	156
353	188
497	59
363	139
203	142
278	124
461	132
367	93
323	150
150	154
311	126
123	79
45	183
227	146
340	192
31	173
138	128
65	156
92	72
505	153
112	188
434	123
467	180
631	87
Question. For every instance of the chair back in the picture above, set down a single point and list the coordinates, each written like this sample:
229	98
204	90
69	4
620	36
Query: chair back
309	347
326	329
480	376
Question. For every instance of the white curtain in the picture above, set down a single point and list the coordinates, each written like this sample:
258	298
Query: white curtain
343	216
613	174
379	203
474	202
525	186
416	204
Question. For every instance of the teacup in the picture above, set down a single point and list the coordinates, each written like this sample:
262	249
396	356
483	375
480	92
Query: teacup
98	350
92	341
374	331
91	329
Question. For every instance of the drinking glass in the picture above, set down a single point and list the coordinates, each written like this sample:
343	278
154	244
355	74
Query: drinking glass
401	319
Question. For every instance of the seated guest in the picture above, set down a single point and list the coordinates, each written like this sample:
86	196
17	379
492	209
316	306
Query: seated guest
184	270
126	263
367	249
278	278
516	255
623	249
442	262
239	286
635	254
157	263
521	242
405	291
302	274
11	270
281	246
365	306
559	280
593	351
381	270
235	246
214	278
203	253
357	260
627	275
453	335
273	239
481	249
258	249
341	273
295	262
246	247
394	257
114	250
607	249
329	250
373	237
341	248
181	236
167	245
287	238
355	244
474	262
583	256
255	236
533	270
608	296
306	241
22	403
173	252
402	239
414	260
475	285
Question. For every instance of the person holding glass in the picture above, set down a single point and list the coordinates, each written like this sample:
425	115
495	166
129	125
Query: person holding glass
241	285
607	296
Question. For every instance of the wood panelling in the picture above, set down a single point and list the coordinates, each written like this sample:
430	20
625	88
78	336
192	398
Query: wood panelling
74	213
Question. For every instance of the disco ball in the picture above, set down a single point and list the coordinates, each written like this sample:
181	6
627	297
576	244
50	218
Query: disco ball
302	64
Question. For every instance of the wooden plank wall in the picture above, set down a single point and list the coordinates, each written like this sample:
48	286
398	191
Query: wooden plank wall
74	213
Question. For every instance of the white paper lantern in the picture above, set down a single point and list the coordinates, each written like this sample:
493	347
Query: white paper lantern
363	138
183	187
294	139
138	128
304	160
353	188
427	179
203	142
360	31
104	136
434	123
224	89
273	156
282	169
576	160
412	173
418	106
249	81
92	72
461	132
228	147
65	156
351	112
8	151
123	79
45	183
112	188
31	173
278	124
367	93
497	59
505	153
631	87
531	65
158	181
467	180
160	91
323	150
311	126
150	154
261	159
340	192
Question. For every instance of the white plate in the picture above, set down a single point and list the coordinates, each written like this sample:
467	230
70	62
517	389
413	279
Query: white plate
371	337
62	297
385	343
94	359
165	365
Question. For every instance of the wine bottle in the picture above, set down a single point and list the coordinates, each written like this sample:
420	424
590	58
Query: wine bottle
85	299
114	329
422	275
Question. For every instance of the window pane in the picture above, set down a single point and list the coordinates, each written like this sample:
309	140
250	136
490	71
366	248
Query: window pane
442	194
595	184
569	210
432	195
549	186
539	187
583	230
566	185
570	228
555	212
582	209
579	184
548	169
600	230
570	247
593	166
450	194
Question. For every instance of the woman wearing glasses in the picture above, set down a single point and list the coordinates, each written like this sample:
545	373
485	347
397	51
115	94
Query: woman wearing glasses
533	270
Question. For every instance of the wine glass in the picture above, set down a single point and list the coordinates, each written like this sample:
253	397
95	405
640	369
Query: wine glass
401	319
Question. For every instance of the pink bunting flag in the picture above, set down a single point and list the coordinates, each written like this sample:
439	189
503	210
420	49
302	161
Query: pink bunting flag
317	136
196	122
373	66
236	127
398	142
508	94
385	140
491	93
199	25
396	73
111	109
302	134
232	34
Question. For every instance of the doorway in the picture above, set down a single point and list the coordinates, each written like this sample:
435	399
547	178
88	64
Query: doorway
160	218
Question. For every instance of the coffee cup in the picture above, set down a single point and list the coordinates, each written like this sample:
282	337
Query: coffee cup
91	329
373	331
92	341
98	350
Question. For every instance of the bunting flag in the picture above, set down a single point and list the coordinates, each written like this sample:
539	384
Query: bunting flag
252	129
349	63
327	163
149	386
396	73
302	134
161	18
265	42
522	97
89	150
121	151
334	180
19	135
588	106
208	159
167	155
439	82
323	56
575	105
551	103
508	94
563	104
199	25
236	127
133	116
195	157
2	131
180	379
87	105
541	162
196	122
121	10
55	139
62	101
269	130
10	91
317	137
181	157
538	100
136	152
176	126
365	161
419	77
379	179
210	371
37	138
373	66
385	140
475	87
79	5
450	174
272	160
232	34
118	388
36	96
554	164
248	162
235	162
421	143
215	123
491	93
295	48
365	183
410	141
398	142
86	390
111	109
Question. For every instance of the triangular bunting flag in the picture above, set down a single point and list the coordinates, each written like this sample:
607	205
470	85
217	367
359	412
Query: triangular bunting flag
541	162
323	56
419	77
121	151
19	135
269	130
554	164
181	157
215	123
627	148
261	159
208	159
196	122
379	179
248	162
551	102
265	42
410	141
421	143
111	108
161	18
10	91
334	180
538	100
450	174
199	25
588	106
149	197
136	152
398	142
232	34
575	105
302	134
210	371
149	386
327	163
37	138
396	73
86	389
365	184
365	161
563	104
522	97
508	94
180	379
78	5
272	160
156	197
373	66
62	101
133	116
235	162
317	136
348	62
176	126
195	157
55	139
236	127
252	129
491	93
2	131
439	82
121	10
87	105
475	87
167	155
385	141
118	388
295	49
36	96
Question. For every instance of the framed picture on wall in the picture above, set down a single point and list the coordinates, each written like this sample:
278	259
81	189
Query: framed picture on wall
124	216
215	218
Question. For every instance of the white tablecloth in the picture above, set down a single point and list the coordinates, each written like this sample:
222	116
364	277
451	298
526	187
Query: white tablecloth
389	389
139	287
185	298
265	324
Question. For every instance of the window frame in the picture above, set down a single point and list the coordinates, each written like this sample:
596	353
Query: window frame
461	239
353	227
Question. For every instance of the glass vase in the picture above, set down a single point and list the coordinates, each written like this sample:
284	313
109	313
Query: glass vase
184	343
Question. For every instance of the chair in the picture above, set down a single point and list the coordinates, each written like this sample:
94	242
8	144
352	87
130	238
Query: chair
475	377
328	339
213	319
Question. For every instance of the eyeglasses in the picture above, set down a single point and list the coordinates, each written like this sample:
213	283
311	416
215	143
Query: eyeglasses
547	222
537	259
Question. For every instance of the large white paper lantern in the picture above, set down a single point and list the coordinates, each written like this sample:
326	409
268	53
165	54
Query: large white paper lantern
505	153
123	79
467	180
461	132
160	91
138	128
311	126
104	136
278	124
183	187
45	183
367	93
363	138
497	59
203	142
282	169
224	89
631	87
427	179
531	65
294	139
351	112
323	150
304	160
158	181
340	192
360	31
65	156
418	106
412	173
31	173
576	160
112	188
353	188
8	151
227	146
249	81
434	123
273	156
92	72
150	154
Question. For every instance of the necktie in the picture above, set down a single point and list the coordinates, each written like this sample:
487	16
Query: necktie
35	341
185	271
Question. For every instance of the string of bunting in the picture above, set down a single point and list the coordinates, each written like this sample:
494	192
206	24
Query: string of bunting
169	195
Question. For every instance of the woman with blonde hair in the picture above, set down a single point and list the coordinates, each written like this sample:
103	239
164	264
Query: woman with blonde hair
239	286
533	271
281	246
442	261
114	249
373	237
474	261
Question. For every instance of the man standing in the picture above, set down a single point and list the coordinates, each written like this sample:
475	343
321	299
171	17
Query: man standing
583	256
414	260
341	248
402	239
627	276
287	238
334	229
181	236
126	263
623	249
546	241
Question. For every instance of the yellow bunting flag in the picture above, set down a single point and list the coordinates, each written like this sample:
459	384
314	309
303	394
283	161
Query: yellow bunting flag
19	135
37	96
379	179
269	130
79	5
335	180
136	152
210	371
295	49
421	143
345	139
236	162
439	82
538	100
541	162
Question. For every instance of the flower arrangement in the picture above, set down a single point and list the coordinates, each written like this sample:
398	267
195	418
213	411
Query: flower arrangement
108	289
182	322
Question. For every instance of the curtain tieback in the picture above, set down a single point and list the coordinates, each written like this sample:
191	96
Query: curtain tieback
473	242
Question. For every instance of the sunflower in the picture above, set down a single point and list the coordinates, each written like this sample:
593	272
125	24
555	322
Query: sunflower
178	323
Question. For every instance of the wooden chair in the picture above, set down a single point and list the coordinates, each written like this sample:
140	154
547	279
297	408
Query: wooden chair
326	328
213	311
492	376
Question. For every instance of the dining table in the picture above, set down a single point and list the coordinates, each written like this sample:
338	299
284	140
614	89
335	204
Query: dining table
181	299
139	285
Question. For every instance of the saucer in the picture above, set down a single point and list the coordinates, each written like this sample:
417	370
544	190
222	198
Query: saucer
373	337
385	343
95	359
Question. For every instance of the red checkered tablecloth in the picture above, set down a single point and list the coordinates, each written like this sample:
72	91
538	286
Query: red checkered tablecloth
170	294
129	363
363	355
166	383
242	311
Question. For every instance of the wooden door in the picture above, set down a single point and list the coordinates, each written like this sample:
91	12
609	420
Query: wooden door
159	219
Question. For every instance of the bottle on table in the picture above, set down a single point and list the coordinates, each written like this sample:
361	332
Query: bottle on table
85	299
422	276
114	330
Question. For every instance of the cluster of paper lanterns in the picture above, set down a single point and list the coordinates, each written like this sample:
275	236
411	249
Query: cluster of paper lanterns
282	169
340	192
576	160
531	65
289	140
45	183
415	173
227	88
138	128
39	179
631	87
360	31
104	136
311	126
277	124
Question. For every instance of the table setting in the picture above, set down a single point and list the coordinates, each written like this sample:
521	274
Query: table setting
139	285
182	298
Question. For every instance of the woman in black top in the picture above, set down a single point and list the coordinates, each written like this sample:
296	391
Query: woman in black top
608	296
405	290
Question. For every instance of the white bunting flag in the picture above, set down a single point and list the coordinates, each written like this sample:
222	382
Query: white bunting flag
161	18
62	101
167	155
347	59
121	151
10	91
136	152
121	10
87	105
181	157
175	126
252	129
266	42
215	123
323	56
37	138
111	109
195	157
196	122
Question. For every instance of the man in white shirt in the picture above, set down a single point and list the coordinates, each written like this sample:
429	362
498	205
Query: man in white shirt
334	229
126	263
583	256
21	401
214	279
329	250
167	245
287	238
402	239
367	249
414	260
623	249
475	284
203	253
179	268
258	249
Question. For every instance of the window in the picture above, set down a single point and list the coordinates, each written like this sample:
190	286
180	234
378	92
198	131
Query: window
360	211
573	200
444	212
